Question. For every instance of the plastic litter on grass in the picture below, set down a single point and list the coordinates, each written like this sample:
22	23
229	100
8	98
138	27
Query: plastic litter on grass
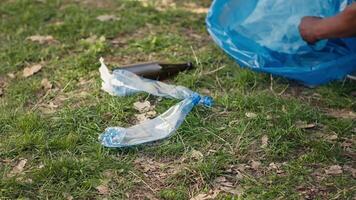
123	83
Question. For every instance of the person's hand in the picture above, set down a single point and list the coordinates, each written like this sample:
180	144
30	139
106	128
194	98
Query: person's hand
308	29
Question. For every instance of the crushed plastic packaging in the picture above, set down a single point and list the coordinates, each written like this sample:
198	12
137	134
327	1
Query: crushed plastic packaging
263	35
124	83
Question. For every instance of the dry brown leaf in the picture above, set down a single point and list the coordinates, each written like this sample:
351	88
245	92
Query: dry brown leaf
264	141
347	143
212	194
102	189
332	137
42	39
255	165
146	111
334	170
143	107
46	84
94	39
251	115
69	197
150	114
197	155
141	117
29	71
304	125
18	168
276	167
105	18
11	75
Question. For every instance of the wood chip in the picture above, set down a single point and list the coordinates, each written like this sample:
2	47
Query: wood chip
29	71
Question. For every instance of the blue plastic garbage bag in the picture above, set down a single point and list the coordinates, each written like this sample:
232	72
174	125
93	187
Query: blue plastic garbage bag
263	35
124	83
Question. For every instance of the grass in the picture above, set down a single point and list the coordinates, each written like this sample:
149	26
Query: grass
65	159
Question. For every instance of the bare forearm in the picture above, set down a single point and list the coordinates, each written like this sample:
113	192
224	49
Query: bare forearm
340	26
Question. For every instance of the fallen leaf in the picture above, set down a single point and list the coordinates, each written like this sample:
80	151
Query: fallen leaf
251	115
11	75
46	84
29	71
102	189
276	167
94	39
143	107
141	117
150	114
304	125
347	143
67	196
332	137
212	194
197	155
334	170
46	39
105	18
255	165
264	141
18	168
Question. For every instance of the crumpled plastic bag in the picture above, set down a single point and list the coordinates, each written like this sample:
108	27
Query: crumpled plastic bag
263	35
124	83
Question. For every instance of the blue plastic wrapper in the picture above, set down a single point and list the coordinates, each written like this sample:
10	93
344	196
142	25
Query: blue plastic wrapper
263	35
124	83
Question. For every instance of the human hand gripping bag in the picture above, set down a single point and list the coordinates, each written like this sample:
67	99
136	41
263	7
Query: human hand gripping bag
263	35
